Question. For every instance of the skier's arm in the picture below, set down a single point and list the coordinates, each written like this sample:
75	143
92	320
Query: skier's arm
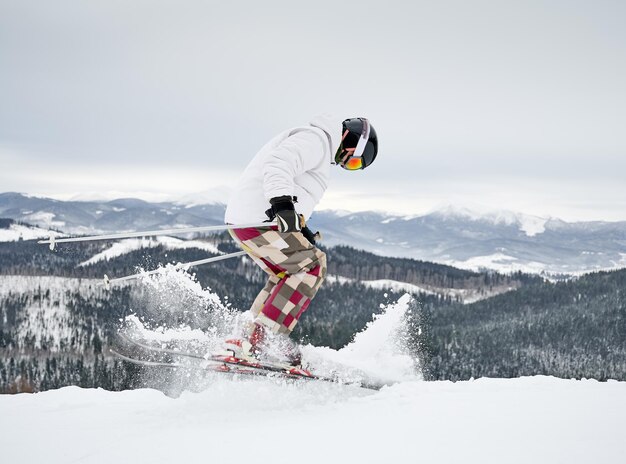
297	154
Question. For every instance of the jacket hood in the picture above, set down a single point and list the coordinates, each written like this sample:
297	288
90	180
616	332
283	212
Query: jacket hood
330	124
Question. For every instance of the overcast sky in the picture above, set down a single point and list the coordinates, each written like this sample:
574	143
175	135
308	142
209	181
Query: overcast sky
506	104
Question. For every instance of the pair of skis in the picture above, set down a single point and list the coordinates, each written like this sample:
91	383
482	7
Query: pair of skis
228	364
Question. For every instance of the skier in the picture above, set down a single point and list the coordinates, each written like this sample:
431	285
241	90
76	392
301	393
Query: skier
283	183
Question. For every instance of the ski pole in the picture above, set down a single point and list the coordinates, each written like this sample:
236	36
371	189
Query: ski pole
149	233
185	266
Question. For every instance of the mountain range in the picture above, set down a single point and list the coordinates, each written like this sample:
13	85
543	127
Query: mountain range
502	241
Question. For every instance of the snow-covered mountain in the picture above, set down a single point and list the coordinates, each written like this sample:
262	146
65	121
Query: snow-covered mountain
503	241
124	214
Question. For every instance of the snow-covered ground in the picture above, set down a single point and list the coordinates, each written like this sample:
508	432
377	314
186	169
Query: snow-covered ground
17	232
506	264
467	296
533	419
499	262
126	246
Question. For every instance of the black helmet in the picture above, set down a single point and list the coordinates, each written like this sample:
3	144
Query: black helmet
359	144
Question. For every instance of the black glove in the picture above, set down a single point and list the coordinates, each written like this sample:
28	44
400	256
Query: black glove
285	213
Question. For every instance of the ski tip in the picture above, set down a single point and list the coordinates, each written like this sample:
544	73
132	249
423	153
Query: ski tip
300	371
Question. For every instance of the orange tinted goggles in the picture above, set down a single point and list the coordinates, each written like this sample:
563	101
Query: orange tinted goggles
353	163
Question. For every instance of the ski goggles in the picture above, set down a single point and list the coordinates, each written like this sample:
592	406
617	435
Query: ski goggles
357	157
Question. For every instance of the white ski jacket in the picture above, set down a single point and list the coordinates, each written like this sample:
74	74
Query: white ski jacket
296	162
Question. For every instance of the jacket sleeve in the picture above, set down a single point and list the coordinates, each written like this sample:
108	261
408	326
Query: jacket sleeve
296	155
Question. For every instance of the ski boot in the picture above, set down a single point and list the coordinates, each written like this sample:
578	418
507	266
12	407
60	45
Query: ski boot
247	348
263	347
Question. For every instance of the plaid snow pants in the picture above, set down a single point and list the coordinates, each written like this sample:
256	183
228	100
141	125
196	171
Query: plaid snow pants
296	271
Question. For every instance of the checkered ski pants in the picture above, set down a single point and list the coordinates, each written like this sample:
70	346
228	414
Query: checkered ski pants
296	271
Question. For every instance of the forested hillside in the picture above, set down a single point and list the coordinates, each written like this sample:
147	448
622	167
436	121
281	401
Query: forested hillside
569	329
56	331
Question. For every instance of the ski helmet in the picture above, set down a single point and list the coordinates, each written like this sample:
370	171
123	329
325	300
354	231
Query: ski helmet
359	144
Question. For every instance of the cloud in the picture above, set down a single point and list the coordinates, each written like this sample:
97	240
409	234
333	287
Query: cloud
461	93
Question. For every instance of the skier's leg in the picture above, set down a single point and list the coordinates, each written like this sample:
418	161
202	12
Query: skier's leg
299	266
263	295
291	297
241	236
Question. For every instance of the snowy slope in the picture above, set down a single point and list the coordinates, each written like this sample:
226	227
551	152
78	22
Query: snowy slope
466	296
17	232
126	246
533	419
